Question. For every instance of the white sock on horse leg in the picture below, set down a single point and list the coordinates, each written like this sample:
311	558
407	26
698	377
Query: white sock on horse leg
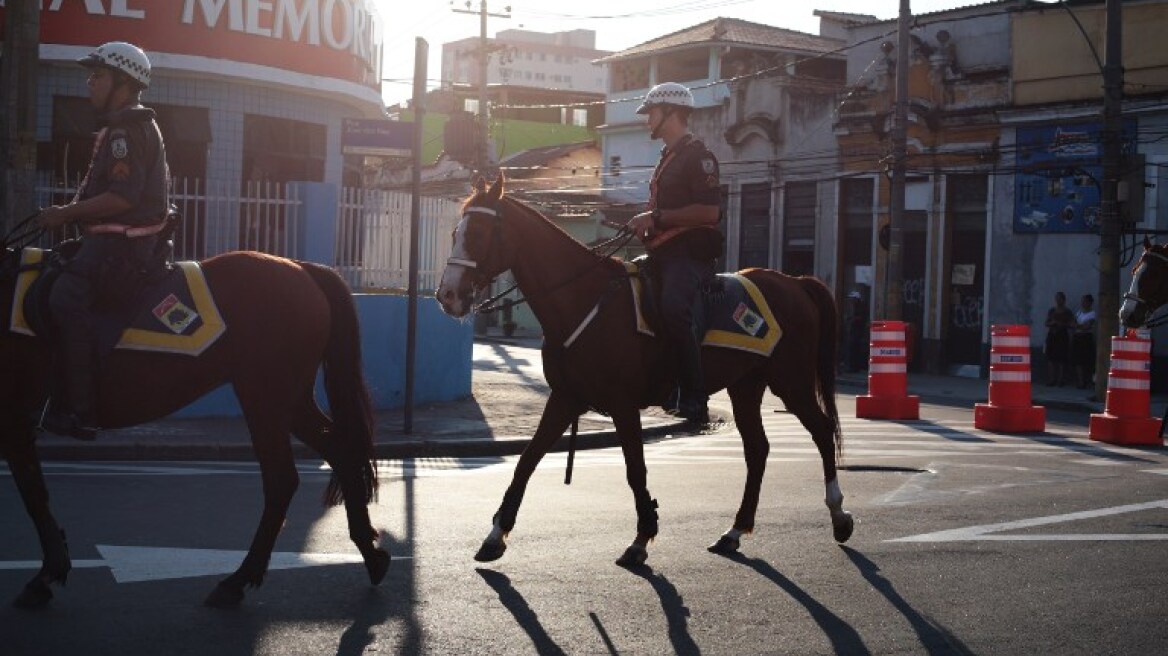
835	497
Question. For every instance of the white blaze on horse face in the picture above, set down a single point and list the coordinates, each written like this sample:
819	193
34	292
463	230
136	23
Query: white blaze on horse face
448	289
1129	302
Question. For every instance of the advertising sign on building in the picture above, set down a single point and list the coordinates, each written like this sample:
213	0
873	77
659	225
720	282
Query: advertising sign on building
1059	178
337	39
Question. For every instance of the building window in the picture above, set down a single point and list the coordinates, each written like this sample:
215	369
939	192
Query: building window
630	75
684	66
282	150
755	226
185	130
799	232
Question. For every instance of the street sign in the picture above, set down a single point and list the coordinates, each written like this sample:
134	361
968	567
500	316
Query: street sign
383	137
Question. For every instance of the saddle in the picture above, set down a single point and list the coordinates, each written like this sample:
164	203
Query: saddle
166	306
729	312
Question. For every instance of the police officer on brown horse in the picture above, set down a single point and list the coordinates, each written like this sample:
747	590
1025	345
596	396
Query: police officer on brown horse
680	231
119	208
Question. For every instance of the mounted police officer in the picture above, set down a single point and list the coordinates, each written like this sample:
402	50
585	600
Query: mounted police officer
119	208
680	231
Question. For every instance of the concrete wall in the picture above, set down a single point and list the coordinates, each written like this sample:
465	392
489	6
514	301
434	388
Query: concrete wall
442	361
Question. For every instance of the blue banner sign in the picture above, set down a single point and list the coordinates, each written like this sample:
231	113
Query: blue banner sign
1059	179
377	137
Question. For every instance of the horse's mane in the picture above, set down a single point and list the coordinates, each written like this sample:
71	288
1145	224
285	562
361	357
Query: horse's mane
510	204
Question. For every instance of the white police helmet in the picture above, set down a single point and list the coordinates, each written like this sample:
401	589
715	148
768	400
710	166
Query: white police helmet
667	93
121	56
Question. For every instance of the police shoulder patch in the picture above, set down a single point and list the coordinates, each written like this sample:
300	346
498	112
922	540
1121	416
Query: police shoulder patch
709	165
119	144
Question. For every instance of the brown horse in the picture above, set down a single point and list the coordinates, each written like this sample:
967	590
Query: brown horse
285	319
611	367
1149	288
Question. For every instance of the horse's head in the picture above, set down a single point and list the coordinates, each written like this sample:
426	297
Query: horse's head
479	253
1149	286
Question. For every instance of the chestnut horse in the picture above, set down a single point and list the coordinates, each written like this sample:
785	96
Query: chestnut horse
611	367
1149	288
285	319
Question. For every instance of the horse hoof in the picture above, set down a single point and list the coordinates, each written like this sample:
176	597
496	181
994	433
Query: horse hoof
842	528
725	546
36	594
224	596
491	550
377	564
634	556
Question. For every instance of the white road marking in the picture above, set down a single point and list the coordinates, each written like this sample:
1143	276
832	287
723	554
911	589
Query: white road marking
134	564
992	532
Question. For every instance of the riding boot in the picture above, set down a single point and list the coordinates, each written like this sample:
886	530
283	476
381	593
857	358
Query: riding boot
78	416
692	400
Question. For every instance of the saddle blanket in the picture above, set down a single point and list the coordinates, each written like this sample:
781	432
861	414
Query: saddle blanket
176	315
738	317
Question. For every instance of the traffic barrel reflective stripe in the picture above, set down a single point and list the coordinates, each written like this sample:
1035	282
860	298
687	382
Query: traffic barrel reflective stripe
887	396
1126	418
887	366
1129	381
1009	409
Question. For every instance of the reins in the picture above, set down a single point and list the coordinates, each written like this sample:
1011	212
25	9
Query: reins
17	239
492	304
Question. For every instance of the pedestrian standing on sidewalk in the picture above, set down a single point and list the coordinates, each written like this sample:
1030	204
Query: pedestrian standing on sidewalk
1083	342
1060	322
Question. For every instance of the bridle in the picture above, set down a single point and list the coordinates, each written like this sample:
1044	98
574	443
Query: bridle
1150	321
484	280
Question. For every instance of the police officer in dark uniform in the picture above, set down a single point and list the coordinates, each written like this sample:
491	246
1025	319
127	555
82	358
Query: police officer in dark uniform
680	232
119	208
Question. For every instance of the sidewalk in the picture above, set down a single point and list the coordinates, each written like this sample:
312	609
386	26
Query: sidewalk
508	395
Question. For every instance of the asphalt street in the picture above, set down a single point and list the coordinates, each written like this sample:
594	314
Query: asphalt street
967	542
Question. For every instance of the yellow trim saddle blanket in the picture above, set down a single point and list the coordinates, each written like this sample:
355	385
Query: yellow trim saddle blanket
738	317
177	315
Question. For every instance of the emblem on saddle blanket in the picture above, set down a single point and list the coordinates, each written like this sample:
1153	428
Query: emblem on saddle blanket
738	318
177	315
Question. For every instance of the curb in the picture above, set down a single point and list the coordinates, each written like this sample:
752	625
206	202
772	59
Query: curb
400	449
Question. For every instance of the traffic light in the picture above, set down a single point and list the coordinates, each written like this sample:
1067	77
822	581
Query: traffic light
460	137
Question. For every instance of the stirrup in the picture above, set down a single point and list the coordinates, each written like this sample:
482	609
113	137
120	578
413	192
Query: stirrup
69	425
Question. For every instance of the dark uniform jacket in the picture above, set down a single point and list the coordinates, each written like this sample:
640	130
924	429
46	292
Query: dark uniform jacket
687	174
129	159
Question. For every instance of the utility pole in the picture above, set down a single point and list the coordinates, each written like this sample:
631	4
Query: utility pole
894	272
1107	313
421	53
19	63
484	54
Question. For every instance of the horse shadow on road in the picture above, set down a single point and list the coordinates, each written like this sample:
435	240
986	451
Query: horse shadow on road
844	639
933	637
527	618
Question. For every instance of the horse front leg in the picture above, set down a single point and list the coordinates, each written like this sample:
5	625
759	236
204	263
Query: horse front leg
30	482
628	429
559	411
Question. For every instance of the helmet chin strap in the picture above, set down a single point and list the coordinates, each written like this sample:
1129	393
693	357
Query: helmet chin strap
655	133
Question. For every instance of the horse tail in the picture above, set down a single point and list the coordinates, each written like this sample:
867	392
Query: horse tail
350	405
826	360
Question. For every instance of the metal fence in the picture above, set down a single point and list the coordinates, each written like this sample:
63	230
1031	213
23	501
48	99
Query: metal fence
372	227
373	233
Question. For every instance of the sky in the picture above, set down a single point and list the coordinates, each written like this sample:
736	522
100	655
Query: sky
619	24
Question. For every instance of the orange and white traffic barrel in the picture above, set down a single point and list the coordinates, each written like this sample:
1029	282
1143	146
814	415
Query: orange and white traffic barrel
1127	418
887	396
1010	409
